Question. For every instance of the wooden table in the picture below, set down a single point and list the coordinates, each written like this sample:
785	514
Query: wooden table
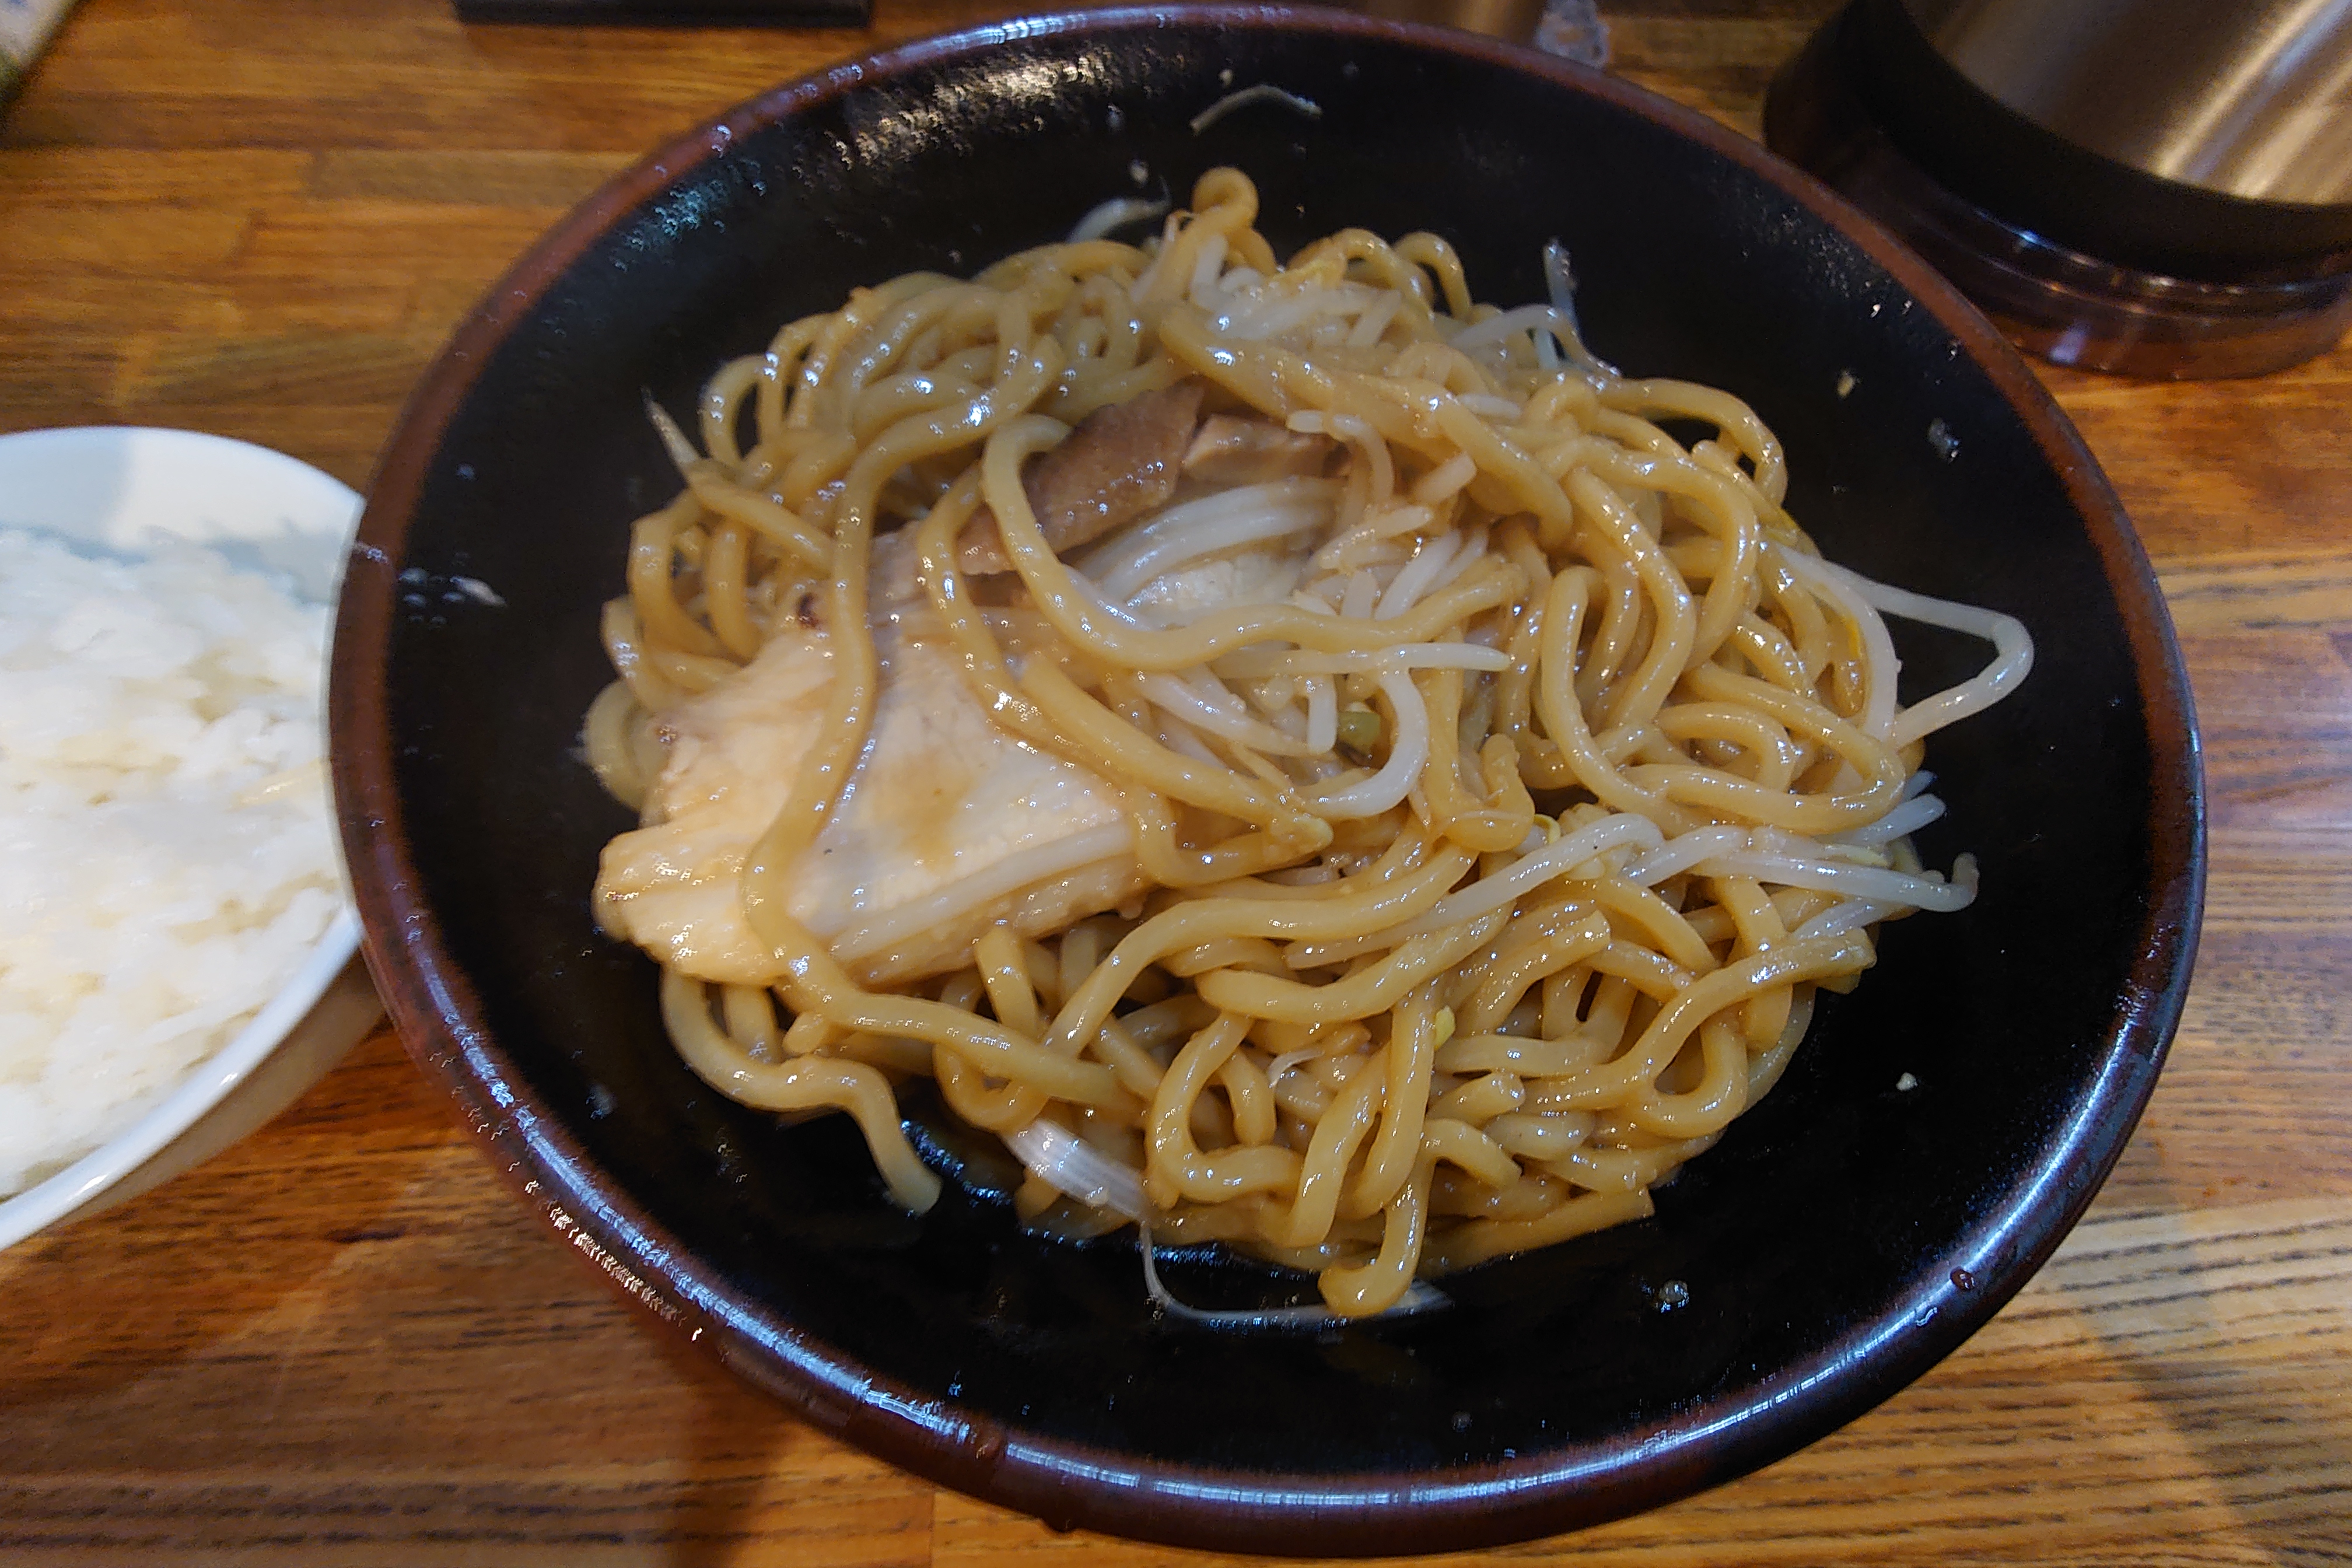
341	1342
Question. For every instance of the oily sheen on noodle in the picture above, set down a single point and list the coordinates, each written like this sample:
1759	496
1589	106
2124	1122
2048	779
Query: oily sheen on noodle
1302	755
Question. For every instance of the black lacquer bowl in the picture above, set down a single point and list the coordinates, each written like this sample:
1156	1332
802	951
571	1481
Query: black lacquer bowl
1844	1235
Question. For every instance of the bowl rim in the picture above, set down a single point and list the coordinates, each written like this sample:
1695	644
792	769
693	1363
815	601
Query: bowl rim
65	1193
1067	1483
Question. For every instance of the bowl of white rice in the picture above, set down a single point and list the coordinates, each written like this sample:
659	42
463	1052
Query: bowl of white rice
178	954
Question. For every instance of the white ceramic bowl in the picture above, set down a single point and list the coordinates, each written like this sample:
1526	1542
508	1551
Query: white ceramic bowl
123	489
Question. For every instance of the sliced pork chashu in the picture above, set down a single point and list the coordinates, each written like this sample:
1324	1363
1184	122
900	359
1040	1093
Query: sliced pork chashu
949	825
1119	463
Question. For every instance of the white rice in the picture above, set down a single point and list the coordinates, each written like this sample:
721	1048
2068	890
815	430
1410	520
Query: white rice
167	855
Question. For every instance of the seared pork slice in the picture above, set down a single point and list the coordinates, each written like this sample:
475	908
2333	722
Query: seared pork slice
1116	464
949	825
1230	449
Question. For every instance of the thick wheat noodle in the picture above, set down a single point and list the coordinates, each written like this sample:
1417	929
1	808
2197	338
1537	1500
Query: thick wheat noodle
1489	857
1390	1158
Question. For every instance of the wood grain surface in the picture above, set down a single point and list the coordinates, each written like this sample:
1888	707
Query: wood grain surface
341	1343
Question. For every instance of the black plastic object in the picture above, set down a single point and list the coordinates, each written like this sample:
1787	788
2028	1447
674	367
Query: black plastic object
1840	1240
2083	259
2005	161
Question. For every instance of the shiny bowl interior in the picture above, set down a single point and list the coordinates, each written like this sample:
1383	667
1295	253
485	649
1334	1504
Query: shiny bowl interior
1843	1236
